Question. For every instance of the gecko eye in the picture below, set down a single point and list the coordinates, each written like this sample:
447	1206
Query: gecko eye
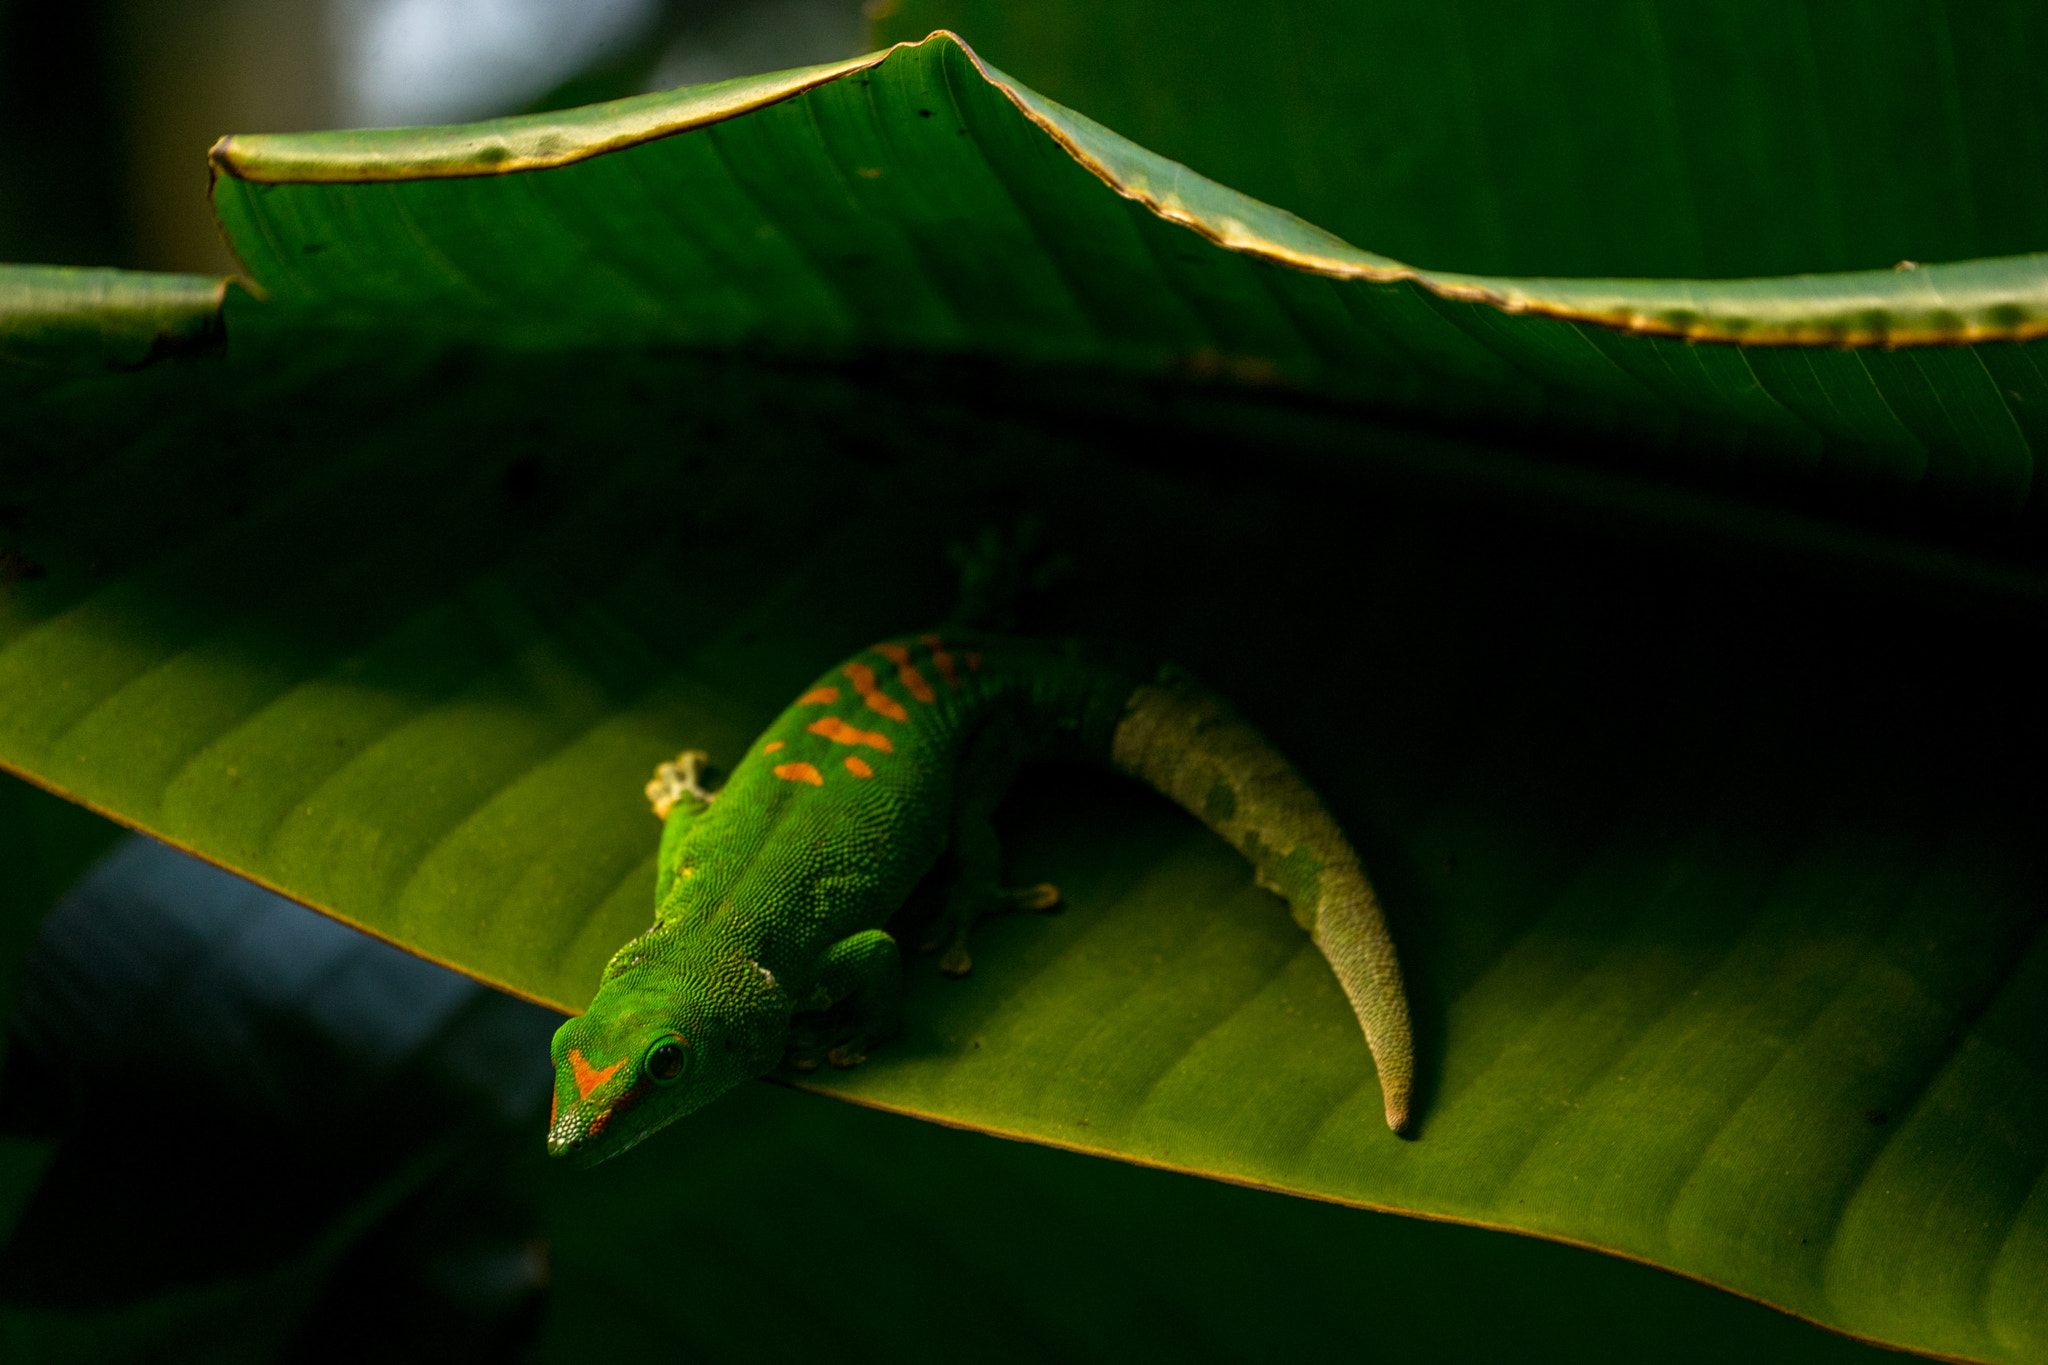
666	1060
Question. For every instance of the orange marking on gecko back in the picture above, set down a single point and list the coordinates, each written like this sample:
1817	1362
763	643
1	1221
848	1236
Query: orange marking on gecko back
942	660
863	679
858	768
819	696
973	663
906	672
800	772
588	1077
771	746
839	732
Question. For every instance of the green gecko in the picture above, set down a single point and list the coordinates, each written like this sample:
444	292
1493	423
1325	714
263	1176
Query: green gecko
772	893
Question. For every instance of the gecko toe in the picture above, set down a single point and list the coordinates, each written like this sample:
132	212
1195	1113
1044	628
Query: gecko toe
1044	896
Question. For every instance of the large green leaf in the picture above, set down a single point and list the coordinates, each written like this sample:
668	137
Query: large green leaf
1606	137
920	202
1718	890
1697	878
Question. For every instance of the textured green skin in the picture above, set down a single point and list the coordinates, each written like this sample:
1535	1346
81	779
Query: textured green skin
771	899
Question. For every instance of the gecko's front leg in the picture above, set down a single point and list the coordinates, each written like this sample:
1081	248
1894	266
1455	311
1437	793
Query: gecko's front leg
861	983
681	779
678	795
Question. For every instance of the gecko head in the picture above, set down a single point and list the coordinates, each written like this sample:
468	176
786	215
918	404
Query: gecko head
661	1039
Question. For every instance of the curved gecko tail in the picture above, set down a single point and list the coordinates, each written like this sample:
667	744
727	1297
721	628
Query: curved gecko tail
1186	742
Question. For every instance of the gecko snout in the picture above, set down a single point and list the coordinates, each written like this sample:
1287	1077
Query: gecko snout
569	1132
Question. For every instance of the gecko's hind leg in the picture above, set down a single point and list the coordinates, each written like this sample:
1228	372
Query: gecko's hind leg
976	893
679	795
985	774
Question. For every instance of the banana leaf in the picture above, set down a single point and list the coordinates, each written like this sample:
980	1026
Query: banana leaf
548	447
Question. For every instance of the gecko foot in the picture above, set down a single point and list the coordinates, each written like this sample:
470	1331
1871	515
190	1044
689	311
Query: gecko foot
837	1037
681	777
947	932
1044	896
807	1054
951	930
810	1044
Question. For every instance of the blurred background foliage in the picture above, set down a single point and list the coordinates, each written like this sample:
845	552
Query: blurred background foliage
107	107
